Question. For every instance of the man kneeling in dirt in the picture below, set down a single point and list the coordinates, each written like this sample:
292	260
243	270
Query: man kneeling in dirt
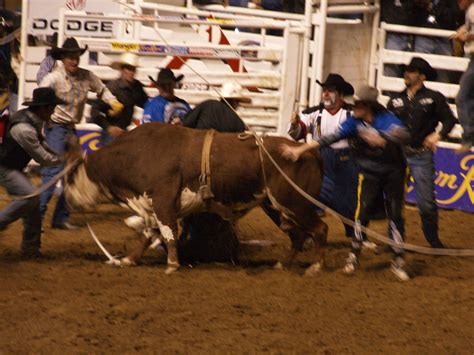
212	238
24	141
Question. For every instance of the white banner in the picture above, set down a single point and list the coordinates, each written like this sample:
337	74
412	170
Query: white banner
43	17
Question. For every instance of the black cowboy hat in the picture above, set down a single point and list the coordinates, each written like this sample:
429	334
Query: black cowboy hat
43	97
337	82
70	45
422	66
166	76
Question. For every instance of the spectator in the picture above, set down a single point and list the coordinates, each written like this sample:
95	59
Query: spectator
377	135
48	63
293	6
396	12
217	114
338	190
421	109
439	14
465	98
9	26
71	84
166	106
128	91
24	141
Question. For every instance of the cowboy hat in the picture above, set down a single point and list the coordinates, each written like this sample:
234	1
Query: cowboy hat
126	58
166	76
233	91
366	93
70	45
43	97
422	66
337	82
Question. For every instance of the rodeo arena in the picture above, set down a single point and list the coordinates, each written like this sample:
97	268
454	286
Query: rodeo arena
237	176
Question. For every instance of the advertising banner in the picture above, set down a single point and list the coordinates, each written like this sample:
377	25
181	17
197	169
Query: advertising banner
454	180
43	17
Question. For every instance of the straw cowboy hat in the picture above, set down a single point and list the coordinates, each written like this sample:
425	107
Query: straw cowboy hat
43	97
337	82
422	66
126	58
70	45
366	93
165	77
233	91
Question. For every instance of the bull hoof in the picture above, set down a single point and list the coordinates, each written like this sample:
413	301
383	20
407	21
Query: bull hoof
127	262
114	262
171	269
278	266
313	270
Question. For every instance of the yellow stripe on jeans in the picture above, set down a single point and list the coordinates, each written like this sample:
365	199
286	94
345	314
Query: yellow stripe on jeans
359	191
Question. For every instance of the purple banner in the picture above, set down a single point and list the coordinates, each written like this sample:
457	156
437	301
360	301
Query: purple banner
454	180
89	137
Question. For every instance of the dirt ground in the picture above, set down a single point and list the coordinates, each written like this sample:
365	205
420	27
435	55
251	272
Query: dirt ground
71	301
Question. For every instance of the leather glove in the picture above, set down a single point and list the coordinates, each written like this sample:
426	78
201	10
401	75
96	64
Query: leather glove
115	108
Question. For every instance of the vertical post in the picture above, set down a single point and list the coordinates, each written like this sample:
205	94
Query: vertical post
23	51
283	109
189	4
373	44
320	45
305	59
381	54
61	27
312	84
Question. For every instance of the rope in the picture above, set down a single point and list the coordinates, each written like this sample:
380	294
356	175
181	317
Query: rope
375	235
43	187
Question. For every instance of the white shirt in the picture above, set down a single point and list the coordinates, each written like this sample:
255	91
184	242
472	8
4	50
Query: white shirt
329	124
73	90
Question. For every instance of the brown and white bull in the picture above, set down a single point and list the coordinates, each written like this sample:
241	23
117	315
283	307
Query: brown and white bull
155	170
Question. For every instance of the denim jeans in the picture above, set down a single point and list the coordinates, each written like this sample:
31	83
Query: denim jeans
16	183
56	139
423	172
435	45
465	104
339	187
398	42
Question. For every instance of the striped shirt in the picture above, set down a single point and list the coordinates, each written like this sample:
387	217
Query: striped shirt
73	90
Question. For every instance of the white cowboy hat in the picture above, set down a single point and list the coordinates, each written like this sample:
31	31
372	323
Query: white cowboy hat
126	58
233	91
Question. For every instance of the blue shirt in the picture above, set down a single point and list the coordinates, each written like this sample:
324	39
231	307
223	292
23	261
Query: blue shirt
160	109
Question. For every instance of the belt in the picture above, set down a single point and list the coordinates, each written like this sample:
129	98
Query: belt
410	151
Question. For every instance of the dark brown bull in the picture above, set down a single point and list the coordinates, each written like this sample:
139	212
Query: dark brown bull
155	171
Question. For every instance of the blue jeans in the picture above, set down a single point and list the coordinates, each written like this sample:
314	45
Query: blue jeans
56	139
423	172
435	45
339	187
465	104
16	183
398	42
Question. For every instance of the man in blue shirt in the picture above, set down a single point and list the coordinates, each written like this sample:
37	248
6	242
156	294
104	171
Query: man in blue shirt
376	136
166	106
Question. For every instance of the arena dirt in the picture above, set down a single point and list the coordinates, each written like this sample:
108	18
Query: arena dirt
72	302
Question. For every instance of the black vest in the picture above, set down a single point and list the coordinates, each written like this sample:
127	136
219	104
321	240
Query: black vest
12	155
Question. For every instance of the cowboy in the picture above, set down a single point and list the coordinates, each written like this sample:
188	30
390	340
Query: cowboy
71	84
219	115
421	110
128	91
166	106
338	190
465	98
24	141
377	136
